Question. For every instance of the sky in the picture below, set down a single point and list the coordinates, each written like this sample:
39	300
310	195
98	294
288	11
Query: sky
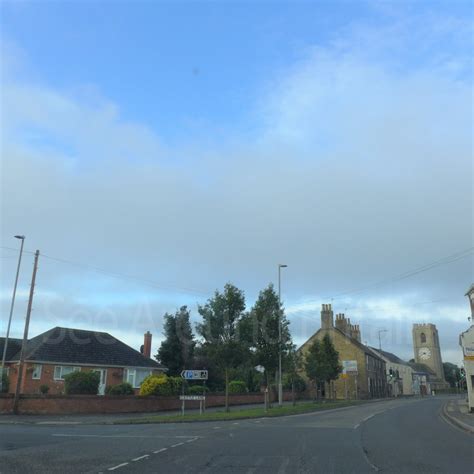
154	151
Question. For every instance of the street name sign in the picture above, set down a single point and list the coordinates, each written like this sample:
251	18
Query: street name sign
194	374
192	397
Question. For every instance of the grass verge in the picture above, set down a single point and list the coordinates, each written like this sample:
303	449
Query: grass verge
238	414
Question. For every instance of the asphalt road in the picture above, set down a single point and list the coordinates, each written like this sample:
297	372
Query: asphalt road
396	436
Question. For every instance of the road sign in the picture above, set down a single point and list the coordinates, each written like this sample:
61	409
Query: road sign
194	374
192	397
349	367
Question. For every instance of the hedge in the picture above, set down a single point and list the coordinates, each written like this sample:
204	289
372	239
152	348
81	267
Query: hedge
82	383
120	389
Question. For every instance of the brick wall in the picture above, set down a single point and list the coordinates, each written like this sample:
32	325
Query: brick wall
90	404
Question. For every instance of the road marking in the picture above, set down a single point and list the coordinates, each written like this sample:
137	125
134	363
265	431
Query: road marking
217	427
159	450
118	466
191	440
357	426
141	457
177	444
235	423
67	435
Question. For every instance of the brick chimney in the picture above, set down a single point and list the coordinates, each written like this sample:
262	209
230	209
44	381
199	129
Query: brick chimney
341	322
327	317
147	344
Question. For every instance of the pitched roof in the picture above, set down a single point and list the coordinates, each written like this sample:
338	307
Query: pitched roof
13	347
78	346
389	356
421	368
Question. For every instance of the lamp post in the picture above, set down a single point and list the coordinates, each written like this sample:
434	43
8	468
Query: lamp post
380	331
22	238
280	385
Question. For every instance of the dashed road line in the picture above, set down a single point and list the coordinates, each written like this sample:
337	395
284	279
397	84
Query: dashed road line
118	466
141	457
177	444
161	450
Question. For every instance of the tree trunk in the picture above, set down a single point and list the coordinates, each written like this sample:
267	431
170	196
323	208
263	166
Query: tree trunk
226	390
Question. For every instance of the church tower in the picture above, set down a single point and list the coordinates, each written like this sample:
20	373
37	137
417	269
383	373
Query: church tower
426	348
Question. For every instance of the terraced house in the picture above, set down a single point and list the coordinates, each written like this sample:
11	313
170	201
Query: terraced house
50	356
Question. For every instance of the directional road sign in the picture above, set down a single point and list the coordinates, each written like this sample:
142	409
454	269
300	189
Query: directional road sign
194	374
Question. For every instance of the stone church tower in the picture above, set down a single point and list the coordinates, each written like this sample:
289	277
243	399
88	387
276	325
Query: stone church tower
427	350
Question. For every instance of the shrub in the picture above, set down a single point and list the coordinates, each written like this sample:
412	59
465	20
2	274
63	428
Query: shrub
156	385
176	384
5	383
237	386
300	384
44	389
82	383
120	389
197	389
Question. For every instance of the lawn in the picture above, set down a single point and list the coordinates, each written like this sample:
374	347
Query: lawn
243	413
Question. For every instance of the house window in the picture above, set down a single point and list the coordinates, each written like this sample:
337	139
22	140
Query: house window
6	371
61	370
135	377
422	337
36	374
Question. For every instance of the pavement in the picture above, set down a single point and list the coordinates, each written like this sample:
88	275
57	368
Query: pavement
456	411
401	436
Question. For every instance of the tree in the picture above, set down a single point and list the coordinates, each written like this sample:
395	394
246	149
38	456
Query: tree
177	350
219	329
452	374
322	361
259	328
293	379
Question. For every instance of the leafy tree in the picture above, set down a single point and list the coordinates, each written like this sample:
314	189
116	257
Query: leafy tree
219	329
322	361
293	379
177	350
452	374
259	328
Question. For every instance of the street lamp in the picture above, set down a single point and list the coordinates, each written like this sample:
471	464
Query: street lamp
22	238
280	385
380	331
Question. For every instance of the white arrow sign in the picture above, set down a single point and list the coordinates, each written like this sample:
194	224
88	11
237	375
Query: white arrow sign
194	374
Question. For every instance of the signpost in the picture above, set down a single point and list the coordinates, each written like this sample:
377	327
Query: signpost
349	367
194	375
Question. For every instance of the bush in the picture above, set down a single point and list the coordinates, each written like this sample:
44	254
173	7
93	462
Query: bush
44	389
300	384
156	385
120	389
5	383
176	385
237	386
197	389
82	383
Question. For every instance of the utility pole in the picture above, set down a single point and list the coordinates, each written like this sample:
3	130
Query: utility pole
280	384
4	356
25	336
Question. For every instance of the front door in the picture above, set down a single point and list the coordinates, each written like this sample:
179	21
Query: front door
102	381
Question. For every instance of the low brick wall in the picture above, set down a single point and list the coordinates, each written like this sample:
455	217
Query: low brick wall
90	404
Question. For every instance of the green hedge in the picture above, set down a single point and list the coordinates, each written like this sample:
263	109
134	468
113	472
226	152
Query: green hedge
237	386
82	383
120	389
5	383
197	389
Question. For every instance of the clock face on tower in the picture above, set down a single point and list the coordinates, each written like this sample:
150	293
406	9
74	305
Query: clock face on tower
424	353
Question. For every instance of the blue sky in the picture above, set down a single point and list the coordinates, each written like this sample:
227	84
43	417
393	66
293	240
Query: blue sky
193	143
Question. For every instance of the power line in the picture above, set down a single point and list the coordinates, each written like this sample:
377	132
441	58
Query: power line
119	275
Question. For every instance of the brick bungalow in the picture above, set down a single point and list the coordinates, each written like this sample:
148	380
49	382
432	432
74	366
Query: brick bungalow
57	352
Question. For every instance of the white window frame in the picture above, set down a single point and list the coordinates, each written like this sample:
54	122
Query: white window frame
37	370
132	373
61	370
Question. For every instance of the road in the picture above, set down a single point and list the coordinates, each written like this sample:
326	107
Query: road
396	436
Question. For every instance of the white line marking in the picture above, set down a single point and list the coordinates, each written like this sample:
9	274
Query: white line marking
191	440
217	427
357	426
116	467
235	423
161	450
141	457
177	444
67	435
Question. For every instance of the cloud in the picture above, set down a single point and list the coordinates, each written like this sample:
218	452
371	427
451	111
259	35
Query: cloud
360	169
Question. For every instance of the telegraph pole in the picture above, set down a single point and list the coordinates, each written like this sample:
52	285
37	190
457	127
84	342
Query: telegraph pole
25	336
